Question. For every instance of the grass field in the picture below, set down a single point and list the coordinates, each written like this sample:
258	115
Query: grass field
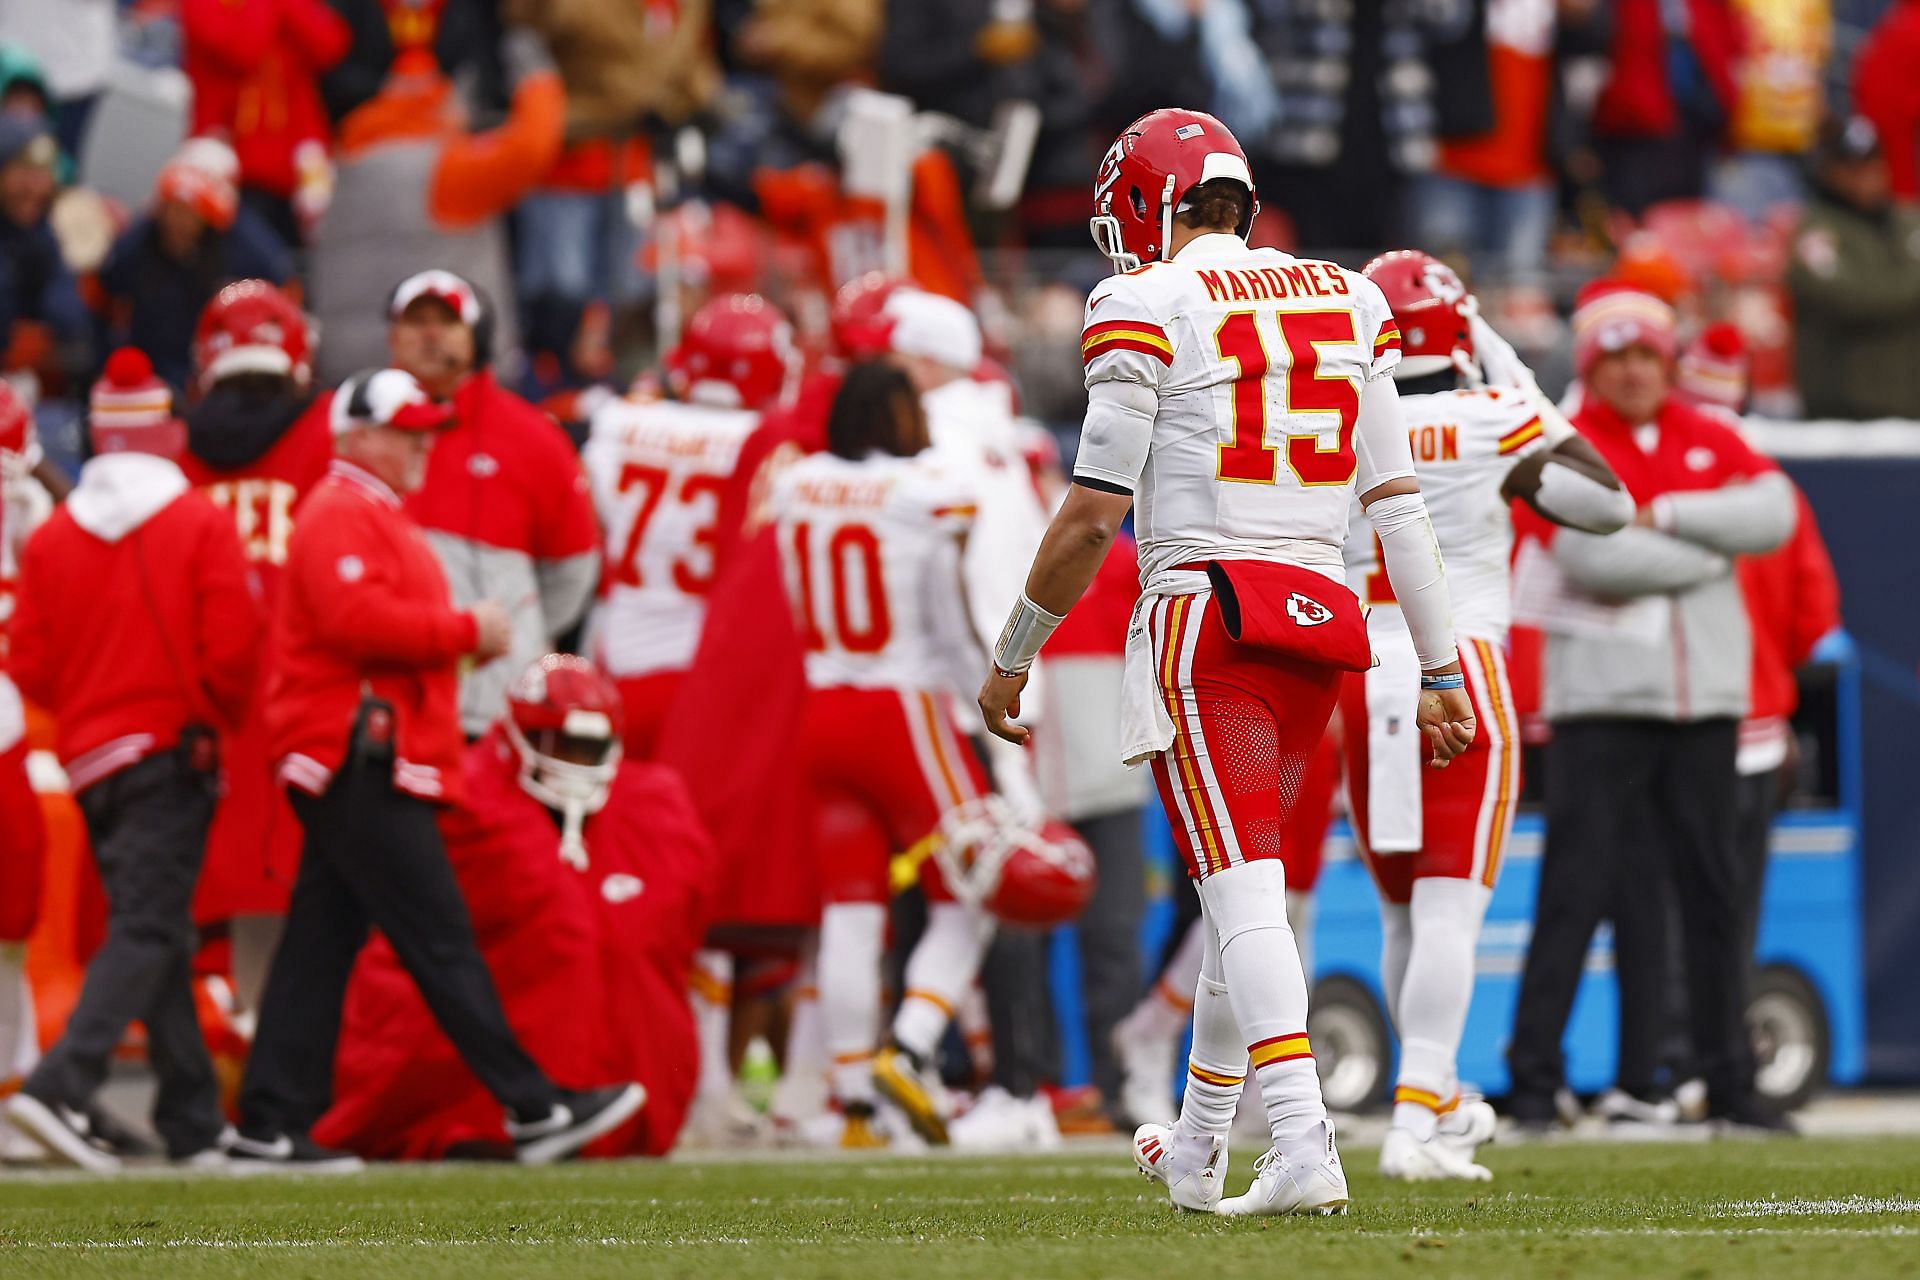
1819	1207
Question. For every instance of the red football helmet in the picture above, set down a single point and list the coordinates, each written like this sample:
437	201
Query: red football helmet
251	327
1023	874
1431	307
565	723
859	329
19	440
737	353
1147	174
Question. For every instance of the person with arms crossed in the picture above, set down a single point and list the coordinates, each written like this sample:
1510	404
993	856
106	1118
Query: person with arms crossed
1236	650
1433	840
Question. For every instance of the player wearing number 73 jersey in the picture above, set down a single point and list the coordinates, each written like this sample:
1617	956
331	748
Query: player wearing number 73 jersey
1434	840
658	470
1238	397
871	534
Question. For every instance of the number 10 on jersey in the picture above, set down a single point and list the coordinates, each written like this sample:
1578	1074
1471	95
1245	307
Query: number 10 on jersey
1246	456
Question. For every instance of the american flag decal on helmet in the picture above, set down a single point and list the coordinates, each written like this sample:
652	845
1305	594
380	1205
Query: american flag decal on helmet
1186	131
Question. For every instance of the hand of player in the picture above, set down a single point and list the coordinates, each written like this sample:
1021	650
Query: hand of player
1000	700
1446	719
493	631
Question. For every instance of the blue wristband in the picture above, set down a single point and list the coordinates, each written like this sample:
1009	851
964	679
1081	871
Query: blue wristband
1450	680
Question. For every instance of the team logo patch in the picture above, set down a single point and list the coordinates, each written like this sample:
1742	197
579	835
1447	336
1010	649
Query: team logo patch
621	887
1699	458
350	568
1306	611
483	465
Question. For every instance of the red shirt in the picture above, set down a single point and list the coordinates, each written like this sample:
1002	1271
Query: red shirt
364	602
1793	599
255	67
128	642
591	967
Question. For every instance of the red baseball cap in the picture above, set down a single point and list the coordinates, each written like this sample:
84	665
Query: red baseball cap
448	288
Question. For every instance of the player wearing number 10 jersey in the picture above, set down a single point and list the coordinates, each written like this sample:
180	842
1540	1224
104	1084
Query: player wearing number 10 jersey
659	469
871	534
1433	840
1237	398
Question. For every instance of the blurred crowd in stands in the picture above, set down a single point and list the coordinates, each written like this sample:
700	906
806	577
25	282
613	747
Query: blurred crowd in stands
599	166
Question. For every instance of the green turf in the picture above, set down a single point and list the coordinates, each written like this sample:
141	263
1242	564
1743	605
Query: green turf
1805	1209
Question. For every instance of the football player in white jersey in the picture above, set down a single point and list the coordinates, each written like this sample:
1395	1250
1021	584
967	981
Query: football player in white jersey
1433	840
1237	398
872	535
658	469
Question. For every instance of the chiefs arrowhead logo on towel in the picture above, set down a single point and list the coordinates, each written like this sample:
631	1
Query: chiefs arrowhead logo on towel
1306	611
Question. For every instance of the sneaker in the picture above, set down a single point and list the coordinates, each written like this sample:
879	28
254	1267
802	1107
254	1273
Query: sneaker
1146	1076
1691	1097
66	1133
911	1085
1629	1116
998	1121
724	1121
860	1129
576	1119
1192	1169
1317	1186
1752	1119
288	1154
1406	1158
211	1158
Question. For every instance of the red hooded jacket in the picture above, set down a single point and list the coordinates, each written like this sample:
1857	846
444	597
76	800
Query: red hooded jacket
256	67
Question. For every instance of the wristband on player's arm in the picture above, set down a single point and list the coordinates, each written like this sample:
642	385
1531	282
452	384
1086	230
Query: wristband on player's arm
1027	629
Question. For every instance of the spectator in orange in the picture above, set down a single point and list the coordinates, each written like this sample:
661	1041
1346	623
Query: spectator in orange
1887	92
414	188
255	67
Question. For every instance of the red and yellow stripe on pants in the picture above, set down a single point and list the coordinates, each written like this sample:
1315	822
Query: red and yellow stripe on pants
1198	803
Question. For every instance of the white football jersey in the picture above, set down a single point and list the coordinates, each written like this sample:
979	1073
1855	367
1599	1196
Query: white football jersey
658	471
1258	360
1464	444
871	551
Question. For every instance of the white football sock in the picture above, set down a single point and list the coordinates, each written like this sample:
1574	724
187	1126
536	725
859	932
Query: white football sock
1396	942
1163	1012
1247	905
19	1036
976	1028
1217	1063
1300	918
852	937
942	967
803	1074
1434	997
710	983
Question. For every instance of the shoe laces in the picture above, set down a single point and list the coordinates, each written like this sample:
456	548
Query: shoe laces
1260	1165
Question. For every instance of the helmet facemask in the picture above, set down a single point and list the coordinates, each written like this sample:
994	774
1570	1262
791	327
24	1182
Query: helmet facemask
569	770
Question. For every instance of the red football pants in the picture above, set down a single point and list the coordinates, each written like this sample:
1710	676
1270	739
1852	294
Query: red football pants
1246	724
884	765
1466	809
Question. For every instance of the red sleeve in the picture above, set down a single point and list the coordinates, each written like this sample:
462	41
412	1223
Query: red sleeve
566	524
322	35
1816	588
355	605
1738	459
229	617
230	32
30	655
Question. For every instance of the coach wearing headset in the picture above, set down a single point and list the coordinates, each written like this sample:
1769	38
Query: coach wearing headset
361	723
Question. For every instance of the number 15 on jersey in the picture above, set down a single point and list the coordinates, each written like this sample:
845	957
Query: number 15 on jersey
1304	390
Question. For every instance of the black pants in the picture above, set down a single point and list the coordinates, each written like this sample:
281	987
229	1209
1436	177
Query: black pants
1109	936
1634	806
1757	800
1026	1044
373	856
148	825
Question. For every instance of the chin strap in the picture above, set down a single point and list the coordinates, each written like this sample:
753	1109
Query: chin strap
573	844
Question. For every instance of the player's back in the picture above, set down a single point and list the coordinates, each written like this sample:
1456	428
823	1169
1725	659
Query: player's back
1464	442
871	554
1258	360
658	471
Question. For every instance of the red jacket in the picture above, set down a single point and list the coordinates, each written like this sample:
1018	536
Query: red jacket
255	67
364	602
1793	599
1638	99
1887	92
135	617
253	847
591	967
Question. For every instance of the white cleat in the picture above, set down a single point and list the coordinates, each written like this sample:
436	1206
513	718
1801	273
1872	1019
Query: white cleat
724	1122
1449	1154
1191	1169
1317	1187
998	1121
1146	1076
